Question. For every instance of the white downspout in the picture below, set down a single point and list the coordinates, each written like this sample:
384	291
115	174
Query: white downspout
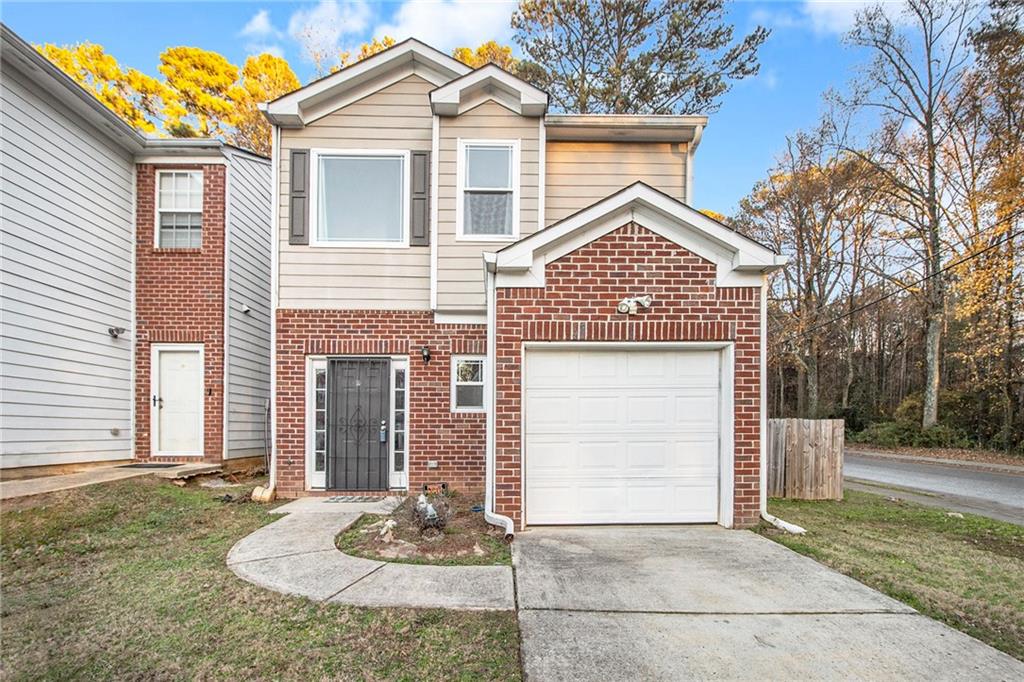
275	237
491	516
774	520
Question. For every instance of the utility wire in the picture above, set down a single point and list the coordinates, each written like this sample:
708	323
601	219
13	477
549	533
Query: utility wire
905	287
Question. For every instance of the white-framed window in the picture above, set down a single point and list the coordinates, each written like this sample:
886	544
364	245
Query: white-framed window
316	422
487	205
179	209
359	198
468	373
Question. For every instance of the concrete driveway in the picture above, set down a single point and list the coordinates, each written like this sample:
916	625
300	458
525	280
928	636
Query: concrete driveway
696	602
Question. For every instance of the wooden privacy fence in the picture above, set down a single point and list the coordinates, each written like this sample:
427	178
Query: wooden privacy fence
805	458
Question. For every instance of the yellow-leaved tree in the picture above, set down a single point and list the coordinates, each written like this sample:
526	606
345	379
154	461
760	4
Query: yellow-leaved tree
206	92
137	98
487	53
265	77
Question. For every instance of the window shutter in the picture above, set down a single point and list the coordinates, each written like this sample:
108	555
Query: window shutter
298	202
419	208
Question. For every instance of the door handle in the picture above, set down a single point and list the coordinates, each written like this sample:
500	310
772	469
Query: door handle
383	431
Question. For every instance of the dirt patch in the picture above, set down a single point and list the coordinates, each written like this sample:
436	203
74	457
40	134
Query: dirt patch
961	454
466	540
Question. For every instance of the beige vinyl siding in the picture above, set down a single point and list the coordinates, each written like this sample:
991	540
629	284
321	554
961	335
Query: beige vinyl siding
395	117
579	174
460	279
66	239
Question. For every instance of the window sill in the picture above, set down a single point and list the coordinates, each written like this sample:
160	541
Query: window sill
177	249
487	239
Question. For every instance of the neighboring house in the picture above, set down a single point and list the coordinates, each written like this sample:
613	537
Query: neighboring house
455	285
121	254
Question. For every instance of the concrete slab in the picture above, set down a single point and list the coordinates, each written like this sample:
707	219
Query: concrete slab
560	645
322	505
50	484
679	569
187	471
447	587
316	575
293	534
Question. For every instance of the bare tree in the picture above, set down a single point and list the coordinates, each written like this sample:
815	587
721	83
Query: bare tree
918	63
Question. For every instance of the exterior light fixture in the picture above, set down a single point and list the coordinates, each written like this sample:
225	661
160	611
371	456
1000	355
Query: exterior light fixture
425	353
630	305
116	331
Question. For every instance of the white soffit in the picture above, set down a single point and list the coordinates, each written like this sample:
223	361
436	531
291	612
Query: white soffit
327	94
739	261
625	128
488	82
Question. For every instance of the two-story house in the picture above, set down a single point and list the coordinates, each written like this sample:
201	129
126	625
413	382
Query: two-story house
134	285
469	290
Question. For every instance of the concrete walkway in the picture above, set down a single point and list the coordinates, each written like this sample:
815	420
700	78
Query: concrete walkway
104	474
701	602
296	555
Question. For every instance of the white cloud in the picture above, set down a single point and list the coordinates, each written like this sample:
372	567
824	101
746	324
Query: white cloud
259	26
322	27
268	48
836	16
447	24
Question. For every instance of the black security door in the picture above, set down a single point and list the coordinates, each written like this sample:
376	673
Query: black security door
358	407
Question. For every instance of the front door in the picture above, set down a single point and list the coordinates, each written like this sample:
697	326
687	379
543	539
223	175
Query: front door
177	400
358	409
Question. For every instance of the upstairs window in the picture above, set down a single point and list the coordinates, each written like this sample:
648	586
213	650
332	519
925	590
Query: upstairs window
179	209
489	188
361	199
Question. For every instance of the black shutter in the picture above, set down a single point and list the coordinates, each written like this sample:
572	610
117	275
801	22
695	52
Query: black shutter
298	203
419	205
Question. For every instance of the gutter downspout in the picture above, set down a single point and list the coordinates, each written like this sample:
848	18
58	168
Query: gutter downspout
774	520
275	236
491	516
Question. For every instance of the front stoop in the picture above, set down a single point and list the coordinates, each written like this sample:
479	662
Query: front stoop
296	555
186	471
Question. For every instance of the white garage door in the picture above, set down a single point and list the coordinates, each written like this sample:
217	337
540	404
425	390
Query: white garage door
622	436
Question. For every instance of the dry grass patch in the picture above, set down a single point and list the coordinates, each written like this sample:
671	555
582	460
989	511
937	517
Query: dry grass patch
965	570
467	540
127	581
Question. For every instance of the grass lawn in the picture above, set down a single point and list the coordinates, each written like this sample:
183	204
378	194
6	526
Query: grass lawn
966	572
467	540
127	580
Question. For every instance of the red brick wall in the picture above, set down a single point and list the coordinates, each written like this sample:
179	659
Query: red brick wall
180	299
578	304
454	440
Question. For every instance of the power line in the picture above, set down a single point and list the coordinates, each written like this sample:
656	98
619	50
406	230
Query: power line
905	287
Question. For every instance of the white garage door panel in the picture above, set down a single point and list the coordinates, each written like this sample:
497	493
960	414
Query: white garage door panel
621	436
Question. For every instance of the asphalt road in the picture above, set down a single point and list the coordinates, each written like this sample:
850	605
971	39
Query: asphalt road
996	494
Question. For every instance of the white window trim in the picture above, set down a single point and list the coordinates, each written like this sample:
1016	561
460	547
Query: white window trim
154	381
456	359
157	211
314	480
314	211
460	165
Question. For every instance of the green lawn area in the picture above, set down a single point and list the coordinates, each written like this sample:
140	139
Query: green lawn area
967	572
127	580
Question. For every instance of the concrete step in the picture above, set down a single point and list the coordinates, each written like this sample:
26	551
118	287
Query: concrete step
188	471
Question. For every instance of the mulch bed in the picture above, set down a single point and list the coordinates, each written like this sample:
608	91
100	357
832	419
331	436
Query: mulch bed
465	540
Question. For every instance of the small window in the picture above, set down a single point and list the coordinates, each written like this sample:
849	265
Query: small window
179	209
467	383
488	199
361	199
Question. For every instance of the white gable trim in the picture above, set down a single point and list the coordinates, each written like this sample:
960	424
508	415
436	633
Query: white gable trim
488	82
738	260
328	94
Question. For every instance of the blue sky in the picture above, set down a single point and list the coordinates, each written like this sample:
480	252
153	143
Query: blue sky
803	57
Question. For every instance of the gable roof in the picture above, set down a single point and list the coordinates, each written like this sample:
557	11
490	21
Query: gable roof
739	260
489	82
317	99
